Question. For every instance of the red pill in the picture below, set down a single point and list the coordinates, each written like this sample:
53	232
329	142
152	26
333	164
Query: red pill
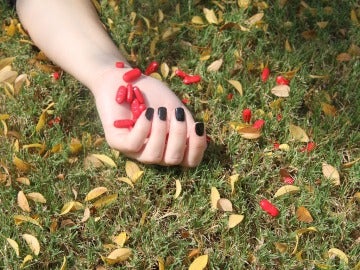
288	180
135	109
56	76
121	94
246	115
132	75
142	107
282	80
151	68
119	64
230	96
258	124
130	93
124	123
309	147
189	79
185	101
180	73
265	74
138	94
269	208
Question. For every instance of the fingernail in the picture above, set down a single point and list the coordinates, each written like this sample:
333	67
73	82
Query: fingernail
180	114
162	113
149	113
199	128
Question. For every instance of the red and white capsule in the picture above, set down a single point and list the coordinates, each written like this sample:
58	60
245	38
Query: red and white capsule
132	75
269	208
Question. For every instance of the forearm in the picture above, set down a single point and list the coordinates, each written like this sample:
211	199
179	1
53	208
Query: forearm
70	33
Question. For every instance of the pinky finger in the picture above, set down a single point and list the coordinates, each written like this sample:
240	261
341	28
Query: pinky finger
196	146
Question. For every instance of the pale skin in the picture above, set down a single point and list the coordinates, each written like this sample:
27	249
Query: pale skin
70	33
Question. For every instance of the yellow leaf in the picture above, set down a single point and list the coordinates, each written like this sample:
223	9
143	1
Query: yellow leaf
21	165
302	214
105	201
237	86
126	180
27	259
19	82
20	219
94	193
243	3
281	90
160	15
6	62
118	255
338	253
36	197
67	207
298	133
281	247
14	245
197	20
86	215
199	263
215	196
284	147
105	159
120	239
164	68
354	50
32	242
328	109
4	116
300	232
133	171
331	174
288	47
233	179
322	24
178	189
161	263
353	17
287	189
249	133
210	16
96	5
351	163
75	146
224	205
64	264
23	202
255	18
41	122
215	66
234	220
156	75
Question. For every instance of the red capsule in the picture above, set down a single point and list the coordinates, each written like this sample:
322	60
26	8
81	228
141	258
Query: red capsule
189	79
142	107
130	93
288	180
180	73
135	108
265	74
282	80
151	68
185	101
269	208
132	75
258	124
119	64
276	145
121	94
138	94
246	115
124	123
56	76
230	96
279	117
309	147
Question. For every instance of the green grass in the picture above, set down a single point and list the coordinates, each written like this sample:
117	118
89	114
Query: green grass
173	227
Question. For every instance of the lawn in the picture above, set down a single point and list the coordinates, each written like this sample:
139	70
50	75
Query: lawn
68	201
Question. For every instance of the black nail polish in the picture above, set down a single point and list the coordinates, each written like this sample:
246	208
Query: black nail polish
180	114
162	113
149	113
199	128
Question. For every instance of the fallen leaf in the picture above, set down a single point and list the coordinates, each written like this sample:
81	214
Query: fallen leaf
210	16
178	189
255	18
299	233
94	193
21	165
328	109
41	122
126	180
303	215
67	208
282	90
284	147
20	219
86	215
199	263
334	252
215	196
23	202
343	57
224	205
237	86
64	264
120	239
243	3
331	174
281	247
287	189
353	17
105	159
215	66
133	171
27	259
36	197
32	242
354	50
298	134
234	220
118	255
351	163
250	133
164	68
288	47
161	263
233	179
105	201
14	245
197	20
194	252
322	24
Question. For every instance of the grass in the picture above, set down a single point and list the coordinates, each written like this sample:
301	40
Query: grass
158	225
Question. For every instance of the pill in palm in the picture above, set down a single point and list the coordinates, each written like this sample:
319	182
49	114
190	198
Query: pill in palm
124	123
130	93
121	94
132	75
138	94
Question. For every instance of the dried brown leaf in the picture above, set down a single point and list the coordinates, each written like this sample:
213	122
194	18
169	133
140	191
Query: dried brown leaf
343	57
178	189
224	205
36	197
303	215
281	90
32	242
23	202
298	133
331	173
250	133
215	66
255	18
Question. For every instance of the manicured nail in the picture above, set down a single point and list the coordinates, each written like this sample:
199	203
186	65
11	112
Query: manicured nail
149	113
180	114
162	113
199	128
